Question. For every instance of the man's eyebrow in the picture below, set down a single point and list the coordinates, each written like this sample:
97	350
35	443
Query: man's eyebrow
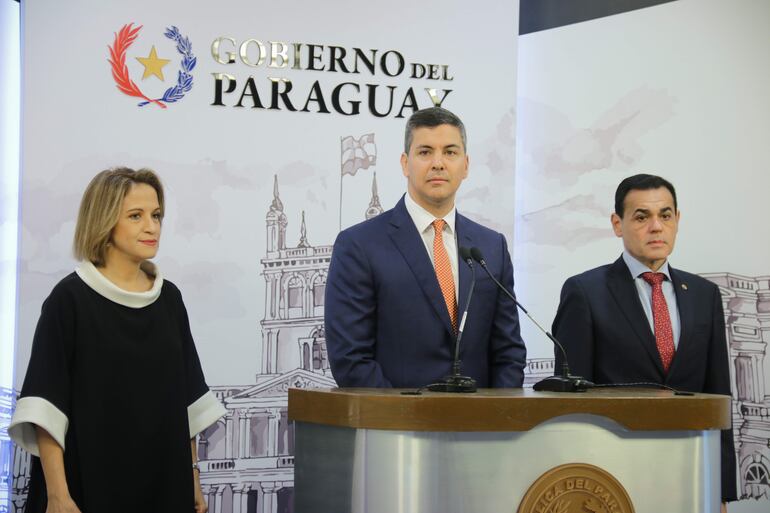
647	211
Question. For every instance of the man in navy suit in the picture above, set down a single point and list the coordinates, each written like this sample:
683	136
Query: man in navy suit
395	281
640	320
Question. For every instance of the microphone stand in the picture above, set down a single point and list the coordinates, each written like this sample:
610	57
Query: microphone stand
455	382
561	381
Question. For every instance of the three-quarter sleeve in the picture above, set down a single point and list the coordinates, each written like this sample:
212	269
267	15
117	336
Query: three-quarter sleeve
45	398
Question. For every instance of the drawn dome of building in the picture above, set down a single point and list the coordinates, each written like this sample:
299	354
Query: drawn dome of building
276	222
275	216
375	208
275	213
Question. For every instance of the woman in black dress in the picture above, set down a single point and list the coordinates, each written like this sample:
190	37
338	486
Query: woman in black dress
114	393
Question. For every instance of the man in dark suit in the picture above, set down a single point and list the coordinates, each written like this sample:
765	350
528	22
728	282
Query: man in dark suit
638	320
395	281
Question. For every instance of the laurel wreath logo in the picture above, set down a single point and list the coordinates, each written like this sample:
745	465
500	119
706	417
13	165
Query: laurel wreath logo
124	39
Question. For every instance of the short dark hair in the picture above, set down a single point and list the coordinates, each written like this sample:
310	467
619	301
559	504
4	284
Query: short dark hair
432	117
640	182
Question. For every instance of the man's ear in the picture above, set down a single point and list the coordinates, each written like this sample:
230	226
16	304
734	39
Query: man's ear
617	224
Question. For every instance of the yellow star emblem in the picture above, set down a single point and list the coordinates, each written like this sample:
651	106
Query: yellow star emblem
153	65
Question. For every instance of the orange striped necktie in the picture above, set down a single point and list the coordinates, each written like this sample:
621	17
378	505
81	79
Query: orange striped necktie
444	271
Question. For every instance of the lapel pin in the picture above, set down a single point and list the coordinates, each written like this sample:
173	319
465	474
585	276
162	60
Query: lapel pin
684	286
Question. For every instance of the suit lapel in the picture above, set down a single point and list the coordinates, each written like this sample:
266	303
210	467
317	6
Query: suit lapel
686	307
463	240
623	290
407	239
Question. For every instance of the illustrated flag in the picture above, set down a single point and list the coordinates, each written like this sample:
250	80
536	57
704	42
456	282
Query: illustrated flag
358	154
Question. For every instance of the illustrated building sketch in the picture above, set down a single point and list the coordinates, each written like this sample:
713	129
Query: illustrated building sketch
6	448
247	458
746	302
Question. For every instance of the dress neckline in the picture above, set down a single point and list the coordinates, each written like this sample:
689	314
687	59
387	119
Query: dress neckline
91	276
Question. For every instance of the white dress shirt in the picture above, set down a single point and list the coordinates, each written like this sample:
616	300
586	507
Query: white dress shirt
644	290
423	220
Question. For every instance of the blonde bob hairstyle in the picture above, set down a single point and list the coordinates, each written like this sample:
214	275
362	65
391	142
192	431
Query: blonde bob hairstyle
100	210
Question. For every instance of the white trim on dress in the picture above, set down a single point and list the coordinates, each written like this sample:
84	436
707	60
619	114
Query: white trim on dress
97	281
36	411
205	411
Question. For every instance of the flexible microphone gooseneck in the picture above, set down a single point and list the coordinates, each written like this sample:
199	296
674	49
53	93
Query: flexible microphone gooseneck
455	382
561	382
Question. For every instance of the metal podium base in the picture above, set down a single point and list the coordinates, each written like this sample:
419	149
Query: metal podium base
380	471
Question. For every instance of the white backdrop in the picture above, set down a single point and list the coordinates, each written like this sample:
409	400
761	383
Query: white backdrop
218	163
679	90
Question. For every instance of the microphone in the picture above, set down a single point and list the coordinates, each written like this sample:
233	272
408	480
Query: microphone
561	382
455	382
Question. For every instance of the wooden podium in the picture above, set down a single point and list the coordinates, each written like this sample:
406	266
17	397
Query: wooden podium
507	450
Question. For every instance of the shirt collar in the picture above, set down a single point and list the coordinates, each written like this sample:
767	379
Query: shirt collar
423	219
104	287
637	268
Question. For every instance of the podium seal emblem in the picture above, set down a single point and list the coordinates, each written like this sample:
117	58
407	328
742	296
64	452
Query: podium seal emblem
576	488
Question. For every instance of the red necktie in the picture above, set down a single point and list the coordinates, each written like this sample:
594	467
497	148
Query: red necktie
444	274
664	335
